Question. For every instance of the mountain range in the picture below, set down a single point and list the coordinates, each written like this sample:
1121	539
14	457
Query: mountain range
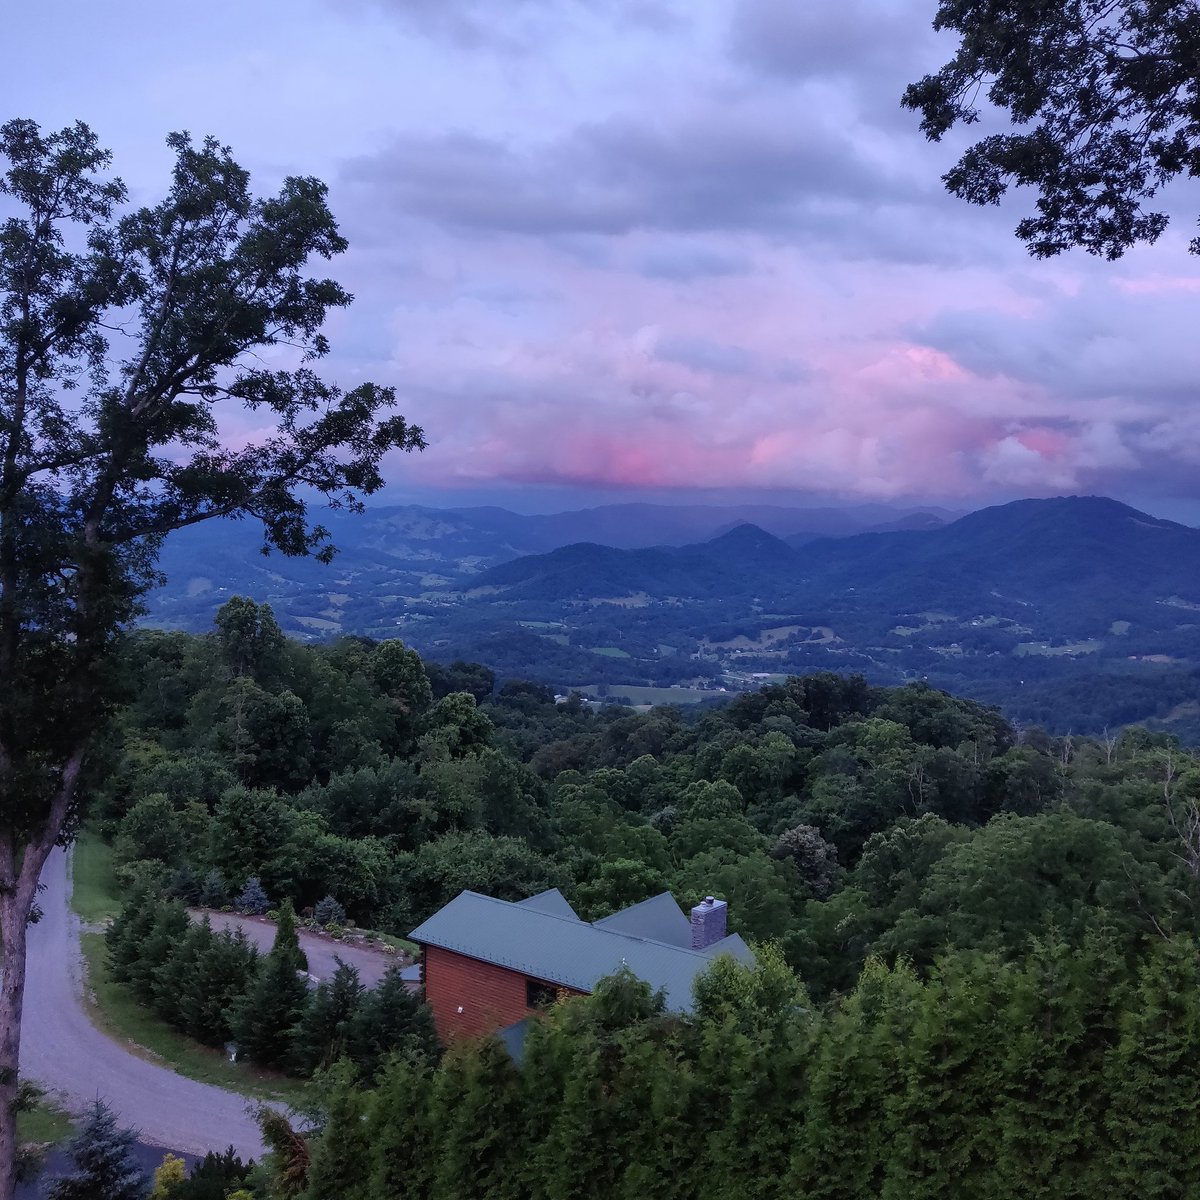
1000	602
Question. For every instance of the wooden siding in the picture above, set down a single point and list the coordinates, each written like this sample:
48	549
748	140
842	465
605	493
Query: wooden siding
490	996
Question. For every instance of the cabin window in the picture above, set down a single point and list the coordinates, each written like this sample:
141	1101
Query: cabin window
539	994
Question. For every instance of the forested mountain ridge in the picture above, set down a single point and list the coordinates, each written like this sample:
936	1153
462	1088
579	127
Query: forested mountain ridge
1078	611
1037	554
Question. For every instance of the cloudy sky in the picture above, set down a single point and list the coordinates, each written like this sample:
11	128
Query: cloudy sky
658	248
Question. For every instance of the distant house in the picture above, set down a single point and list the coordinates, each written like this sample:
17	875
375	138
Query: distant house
489	964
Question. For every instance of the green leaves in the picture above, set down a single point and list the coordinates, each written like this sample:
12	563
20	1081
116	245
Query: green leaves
1108	89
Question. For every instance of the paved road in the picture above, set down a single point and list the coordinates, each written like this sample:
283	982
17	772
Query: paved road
322	953
63	1051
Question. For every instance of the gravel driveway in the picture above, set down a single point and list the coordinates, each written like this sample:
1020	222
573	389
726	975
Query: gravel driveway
63	1051
322	953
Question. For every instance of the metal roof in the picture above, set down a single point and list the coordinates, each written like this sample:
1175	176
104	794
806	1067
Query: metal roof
658	918
551	901
566	950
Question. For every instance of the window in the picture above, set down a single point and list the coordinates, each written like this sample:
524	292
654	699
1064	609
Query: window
539	994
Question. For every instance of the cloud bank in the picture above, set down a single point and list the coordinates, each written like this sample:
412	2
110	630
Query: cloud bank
652	244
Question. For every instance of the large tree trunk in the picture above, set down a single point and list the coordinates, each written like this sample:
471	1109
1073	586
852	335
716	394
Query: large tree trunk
15	908
20	871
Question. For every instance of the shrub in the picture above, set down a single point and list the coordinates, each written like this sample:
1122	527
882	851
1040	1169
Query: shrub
253	901
329	912
213	890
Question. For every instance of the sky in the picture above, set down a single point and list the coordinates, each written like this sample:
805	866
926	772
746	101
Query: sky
659	249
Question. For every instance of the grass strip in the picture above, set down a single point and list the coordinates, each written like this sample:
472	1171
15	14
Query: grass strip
44	1124
396	943
94	883
115	1011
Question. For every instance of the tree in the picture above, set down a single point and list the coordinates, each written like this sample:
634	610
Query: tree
340	1166
328	912
253	899
264	1017
319	1038
110	439
389	1019
402	1133
815	859
214	1177
105	1168
1109	88
223	969
169	1176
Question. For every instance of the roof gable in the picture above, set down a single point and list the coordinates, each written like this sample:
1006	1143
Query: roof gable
551	901
659	918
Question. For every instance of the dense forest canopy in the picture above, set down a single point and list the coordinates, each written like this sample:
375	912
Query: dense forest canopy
976	958
839	819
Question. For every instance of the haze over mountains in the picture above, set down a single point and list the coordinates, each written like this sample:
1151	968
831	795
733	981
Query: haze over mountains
1000	602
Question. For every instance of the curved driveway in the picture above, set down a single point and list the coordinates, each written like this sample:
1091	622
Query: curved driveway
66	1053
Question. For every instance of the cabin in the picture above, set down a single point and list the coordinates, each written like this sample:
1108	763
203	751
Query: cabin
488	965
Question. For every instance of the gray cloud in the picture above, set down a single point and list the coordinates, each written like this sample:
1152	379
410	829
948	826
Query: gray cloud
516	26
852	37
729	171
1097	345
688	261
703	354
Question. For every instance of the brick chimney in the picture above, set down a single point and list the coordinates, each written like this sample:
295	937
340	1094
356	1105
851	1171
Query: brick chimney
708	922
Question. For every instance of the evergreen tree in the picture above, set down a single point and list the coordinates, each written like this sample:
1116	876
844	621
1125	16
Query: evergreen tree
389	1018
844	1146
214	1177
477	1112
755	1025
943	1138
172	979
339	1167
128	932
287	939
1154	1079
402	1134
213	890
575	1158
320	1036
1056	1028
225	966
604	1101
105	1168
329	912
161	944
263	1019
663	1143
253	899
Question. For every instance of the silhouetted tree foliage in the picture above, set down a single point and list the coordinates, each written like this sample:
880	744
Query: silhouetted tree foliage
1103	94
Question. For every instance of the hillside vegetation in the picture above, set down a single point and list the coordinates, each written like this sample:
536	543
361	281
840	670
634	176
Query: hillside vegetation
353	770
943	910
